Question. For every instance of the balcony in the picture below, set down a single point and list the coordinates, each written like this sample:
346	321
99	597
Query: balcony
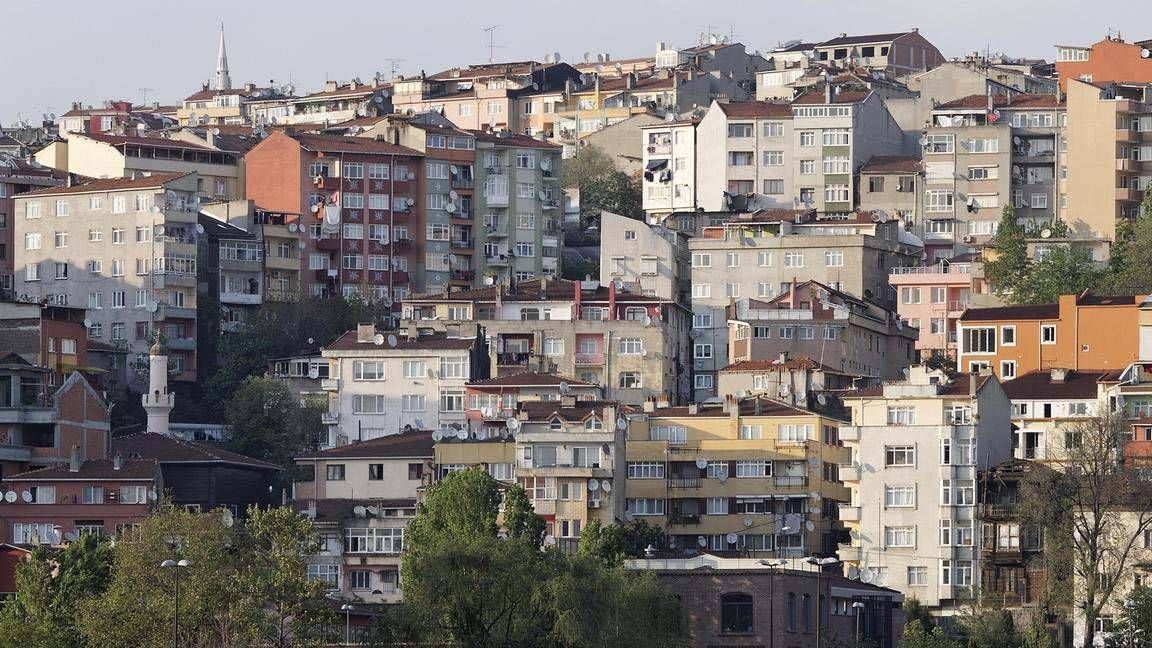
496	200
549	204
1000	511
250	299
330	384
954	268
329	418
683	482
684	519
500	260
328	245
464	184
181	344
1126	164
660	149
461	215
513	359
849	514
325	182
402	244
463	244
1124	193
791	481
496	169
10	452
496	232
848	553
957	306
1127	135
462	275
589	359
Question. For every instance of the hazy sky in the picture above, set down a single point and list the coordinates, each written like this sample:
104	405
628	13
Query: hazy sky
62	51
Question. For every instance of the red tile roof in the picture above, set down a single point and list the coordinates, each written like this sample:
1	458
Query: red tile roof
508	138
803	362
529	379
208	94
756	110
337	144
1013	100
893	164
488	70
433	342
155	181
1077	385
407	444
93	469
166	449
540	411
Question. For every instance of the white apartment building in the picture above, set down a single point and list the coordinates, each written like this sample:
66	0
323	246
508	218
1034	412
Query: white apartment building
385	383
917	448
669	154
124	249
1046	407
745	148
651	259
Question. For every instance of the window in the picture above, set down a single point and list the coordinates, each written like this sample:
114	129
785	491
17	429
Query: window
631	346
807	138
773	187
368	370
917	575
630	380
645	506
900	536
646	470
669	433
701	291
61	239
899	456
741	158
412	403
118	299
1048	334
32	240
374	540
701	260
451	400
938	201
901	415
980	340
1007	369
702	351
756	468
454	367
553	346
93	495
837	165
1039	201
793	433
833	258
740	130
773	158
750	432
334	472
702	320
793	259
716	506
732	290
944	143
836	193
899	496
773	129
833	137
736	613
353	201
703	381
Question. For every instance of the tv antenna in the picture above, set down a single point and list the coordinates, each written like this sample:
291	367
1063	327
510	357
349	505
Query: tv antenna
492	46
394	65
144	94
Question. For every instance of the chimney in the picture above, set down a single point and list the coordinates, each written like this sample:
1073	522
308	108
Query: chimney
1058	375
331	86
365	332
568	400
117	461
782	357
972	384
693	408
731	406
74	459
210	136
249	87
662	400
649	405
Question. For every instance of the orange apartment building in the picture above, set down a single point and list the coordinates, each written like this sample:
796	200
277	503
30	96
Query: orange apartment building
1111	59
1080	332
361	205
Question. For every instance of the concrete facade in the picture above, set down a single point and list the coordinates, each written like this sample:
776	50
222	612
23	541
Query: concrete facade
651	260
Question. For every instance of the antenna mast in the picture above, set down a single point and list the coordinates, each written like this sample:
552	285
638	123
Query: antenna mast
492	46
144	94
394	65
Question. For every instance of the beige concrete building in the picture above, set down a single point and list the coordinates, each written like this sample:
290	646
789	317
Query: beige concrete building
750	476
126	250
791	380
624	141
635	346
1109	154
761	255
917	446
1046	405
651	260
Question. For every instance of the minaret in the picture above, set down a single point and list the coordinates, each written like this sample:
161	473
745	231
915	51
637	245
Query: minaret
157	401
223	81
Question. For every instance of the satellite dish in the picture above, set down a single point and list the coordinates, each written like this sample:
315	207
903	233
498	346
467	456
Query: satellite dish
410	201
437	435
152	307
701	463
731	538
359	511
564	388
314	208
314	373
378	339
292	227
152	496
450	208
462	435
26	496
809	525
555	57
452	194
702	541
1046	233
814	495
621	424
155	209
647	320
822	399
71	536
748	522
606	486
593	485
813	509
392	341
1145	53
853	572
723	477
541	195
545	164
158	230
87	323
866	575
10	496
373	510
587	57
740	393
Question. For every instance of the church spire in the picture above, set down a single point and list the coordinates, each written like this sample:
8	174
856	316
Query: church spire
223	81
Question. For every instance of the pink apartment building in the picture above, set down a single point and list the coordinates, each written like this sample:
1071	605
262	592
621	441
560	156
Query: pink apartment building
932	298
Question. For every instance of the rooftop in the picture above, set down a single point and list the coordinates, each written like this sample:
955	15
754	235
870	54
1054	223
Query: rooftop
406	444
1076	385
883	164
959	385
541	411
753	406
166	449
802	362
508	138
93	469
429	342
337	144
1008	101
554	289
756	110
120	140
331	509
529	379
154	181
840	97
863	39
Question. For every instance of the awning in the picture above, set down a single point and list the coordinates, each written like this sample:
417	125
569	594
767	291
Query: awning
656	165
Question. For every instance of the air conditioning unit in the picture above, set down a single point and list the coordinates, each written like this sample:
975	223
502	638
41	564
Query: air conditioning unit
593	504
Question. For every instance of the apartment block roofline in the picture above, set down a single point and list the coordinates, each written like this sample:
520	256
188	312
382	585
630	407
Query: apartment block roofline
864	39
103	185
529	379
960	384
416	444
1055	383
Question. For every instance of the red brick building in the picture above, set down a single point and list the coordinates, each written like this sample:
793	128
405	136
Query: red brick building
10	558
361	205
48	336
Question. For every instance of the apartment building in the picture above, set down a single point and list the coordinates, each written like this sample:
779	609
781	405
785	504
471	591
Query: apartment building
811	319
1080	332
360	201
1014	572
751	476
917	447
669	156
282	237
982	152
634	346
109	116
651	259
1130	393
623	140
570	455
745	148
931	299
784	247
233	106
57	504
1109	154
94	155
361	497
515	96
47	336
1047	405
893	184
493	401
337	103
17	176
518	227
791	380
124	248
1111	59
786	63
430	365
900	53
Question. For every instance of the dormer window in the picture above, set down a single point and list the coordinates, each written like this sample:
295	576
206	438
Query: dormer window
556	425
593	424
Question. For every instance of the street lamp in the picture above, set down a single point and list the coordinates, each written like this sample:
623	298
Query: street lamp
820	564
772	566
347	609
176	565
859	608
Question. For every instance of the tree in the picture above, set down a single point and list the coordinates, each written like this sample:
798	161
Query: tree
1009	264
1135	618
50	585
989	628
1132	253
589	162
917	635
613	543
1063	271
914	610
1095	506
268	422
602	187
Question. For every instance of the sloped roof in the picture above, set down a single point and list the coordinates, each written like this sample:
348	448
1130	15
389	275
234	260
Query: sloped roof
406	444
511	139
93	469
958	386
166	449
539	411
529	379
1077	385
120	140
432	342
1027	312
863	39
756	110
1012	100
154	181
802	362
748	407
882	164
337	144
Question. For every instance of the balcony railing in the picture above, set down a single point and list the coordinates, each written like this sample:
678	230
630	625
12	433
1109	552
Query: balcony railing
463	275
684	518
954	268
513	359
998	510
463	184
791	481
683	482
957	305
589	359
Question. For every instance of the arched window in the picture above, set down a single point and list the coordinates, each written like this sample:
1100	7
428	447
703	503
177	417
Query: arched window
791	612
736	613
806	612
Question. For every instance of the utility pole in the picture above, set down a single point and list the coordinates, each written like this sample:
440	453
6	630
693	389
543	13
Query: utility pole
492	46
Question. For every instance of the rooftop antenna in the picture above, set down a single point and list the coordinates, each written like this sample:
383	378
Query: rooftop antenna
394	65
144	95
492	46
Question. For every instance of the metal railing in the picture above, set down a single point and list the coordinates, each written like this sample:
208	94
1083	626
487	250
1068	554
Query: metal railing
953	268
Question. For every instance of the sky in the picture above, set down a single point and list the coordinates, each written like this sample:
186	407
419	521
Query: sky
65	50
